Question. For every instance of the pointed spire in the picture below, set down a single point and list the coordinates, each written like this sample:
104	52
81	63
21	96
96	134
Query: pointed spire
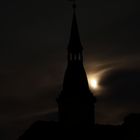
74	42
74	5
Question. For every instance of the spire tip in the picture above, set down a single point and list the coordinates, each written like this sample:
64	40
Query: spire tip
74	4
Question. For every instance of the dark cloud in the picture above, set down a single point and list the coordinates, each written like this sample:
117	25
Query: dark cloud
122	83
121	91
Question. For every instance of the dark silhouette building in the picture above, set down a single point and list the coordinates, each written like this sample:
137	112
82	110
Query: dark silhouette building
76	106
76	103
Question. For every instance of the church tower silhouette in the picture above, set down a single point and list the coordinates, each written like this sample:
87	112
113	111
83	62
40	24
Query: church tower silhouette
76	104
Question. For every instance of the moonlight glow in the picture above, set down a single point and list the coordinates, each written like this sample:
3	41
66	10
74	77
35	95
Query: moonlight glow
93	83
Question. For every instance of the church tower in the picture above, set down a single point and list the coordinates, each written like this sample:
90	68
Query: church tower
76	104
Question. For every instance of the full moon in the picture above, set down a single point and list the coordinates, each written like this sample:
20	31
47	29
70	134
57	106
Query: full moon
93	83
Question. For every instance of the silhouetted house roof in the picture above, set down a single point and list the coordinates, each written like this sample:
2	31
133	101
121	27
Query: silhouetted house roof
132	120
132	125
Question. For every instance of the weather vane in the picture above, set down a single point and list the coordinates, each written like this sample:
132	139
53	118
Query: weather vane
74	3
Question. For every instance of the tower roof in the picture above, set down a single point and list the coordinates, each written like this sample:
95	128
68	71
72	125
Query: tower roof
74	42
75	78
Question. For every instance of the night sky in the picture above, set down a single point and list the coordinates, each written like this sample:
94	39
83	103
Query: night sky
33	49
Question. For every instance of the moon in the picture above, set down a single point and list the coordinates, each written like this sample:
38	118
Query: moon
94	83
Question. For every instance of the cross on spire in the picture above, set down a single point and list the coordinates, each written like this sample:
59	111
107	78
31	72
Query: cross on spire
74	4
